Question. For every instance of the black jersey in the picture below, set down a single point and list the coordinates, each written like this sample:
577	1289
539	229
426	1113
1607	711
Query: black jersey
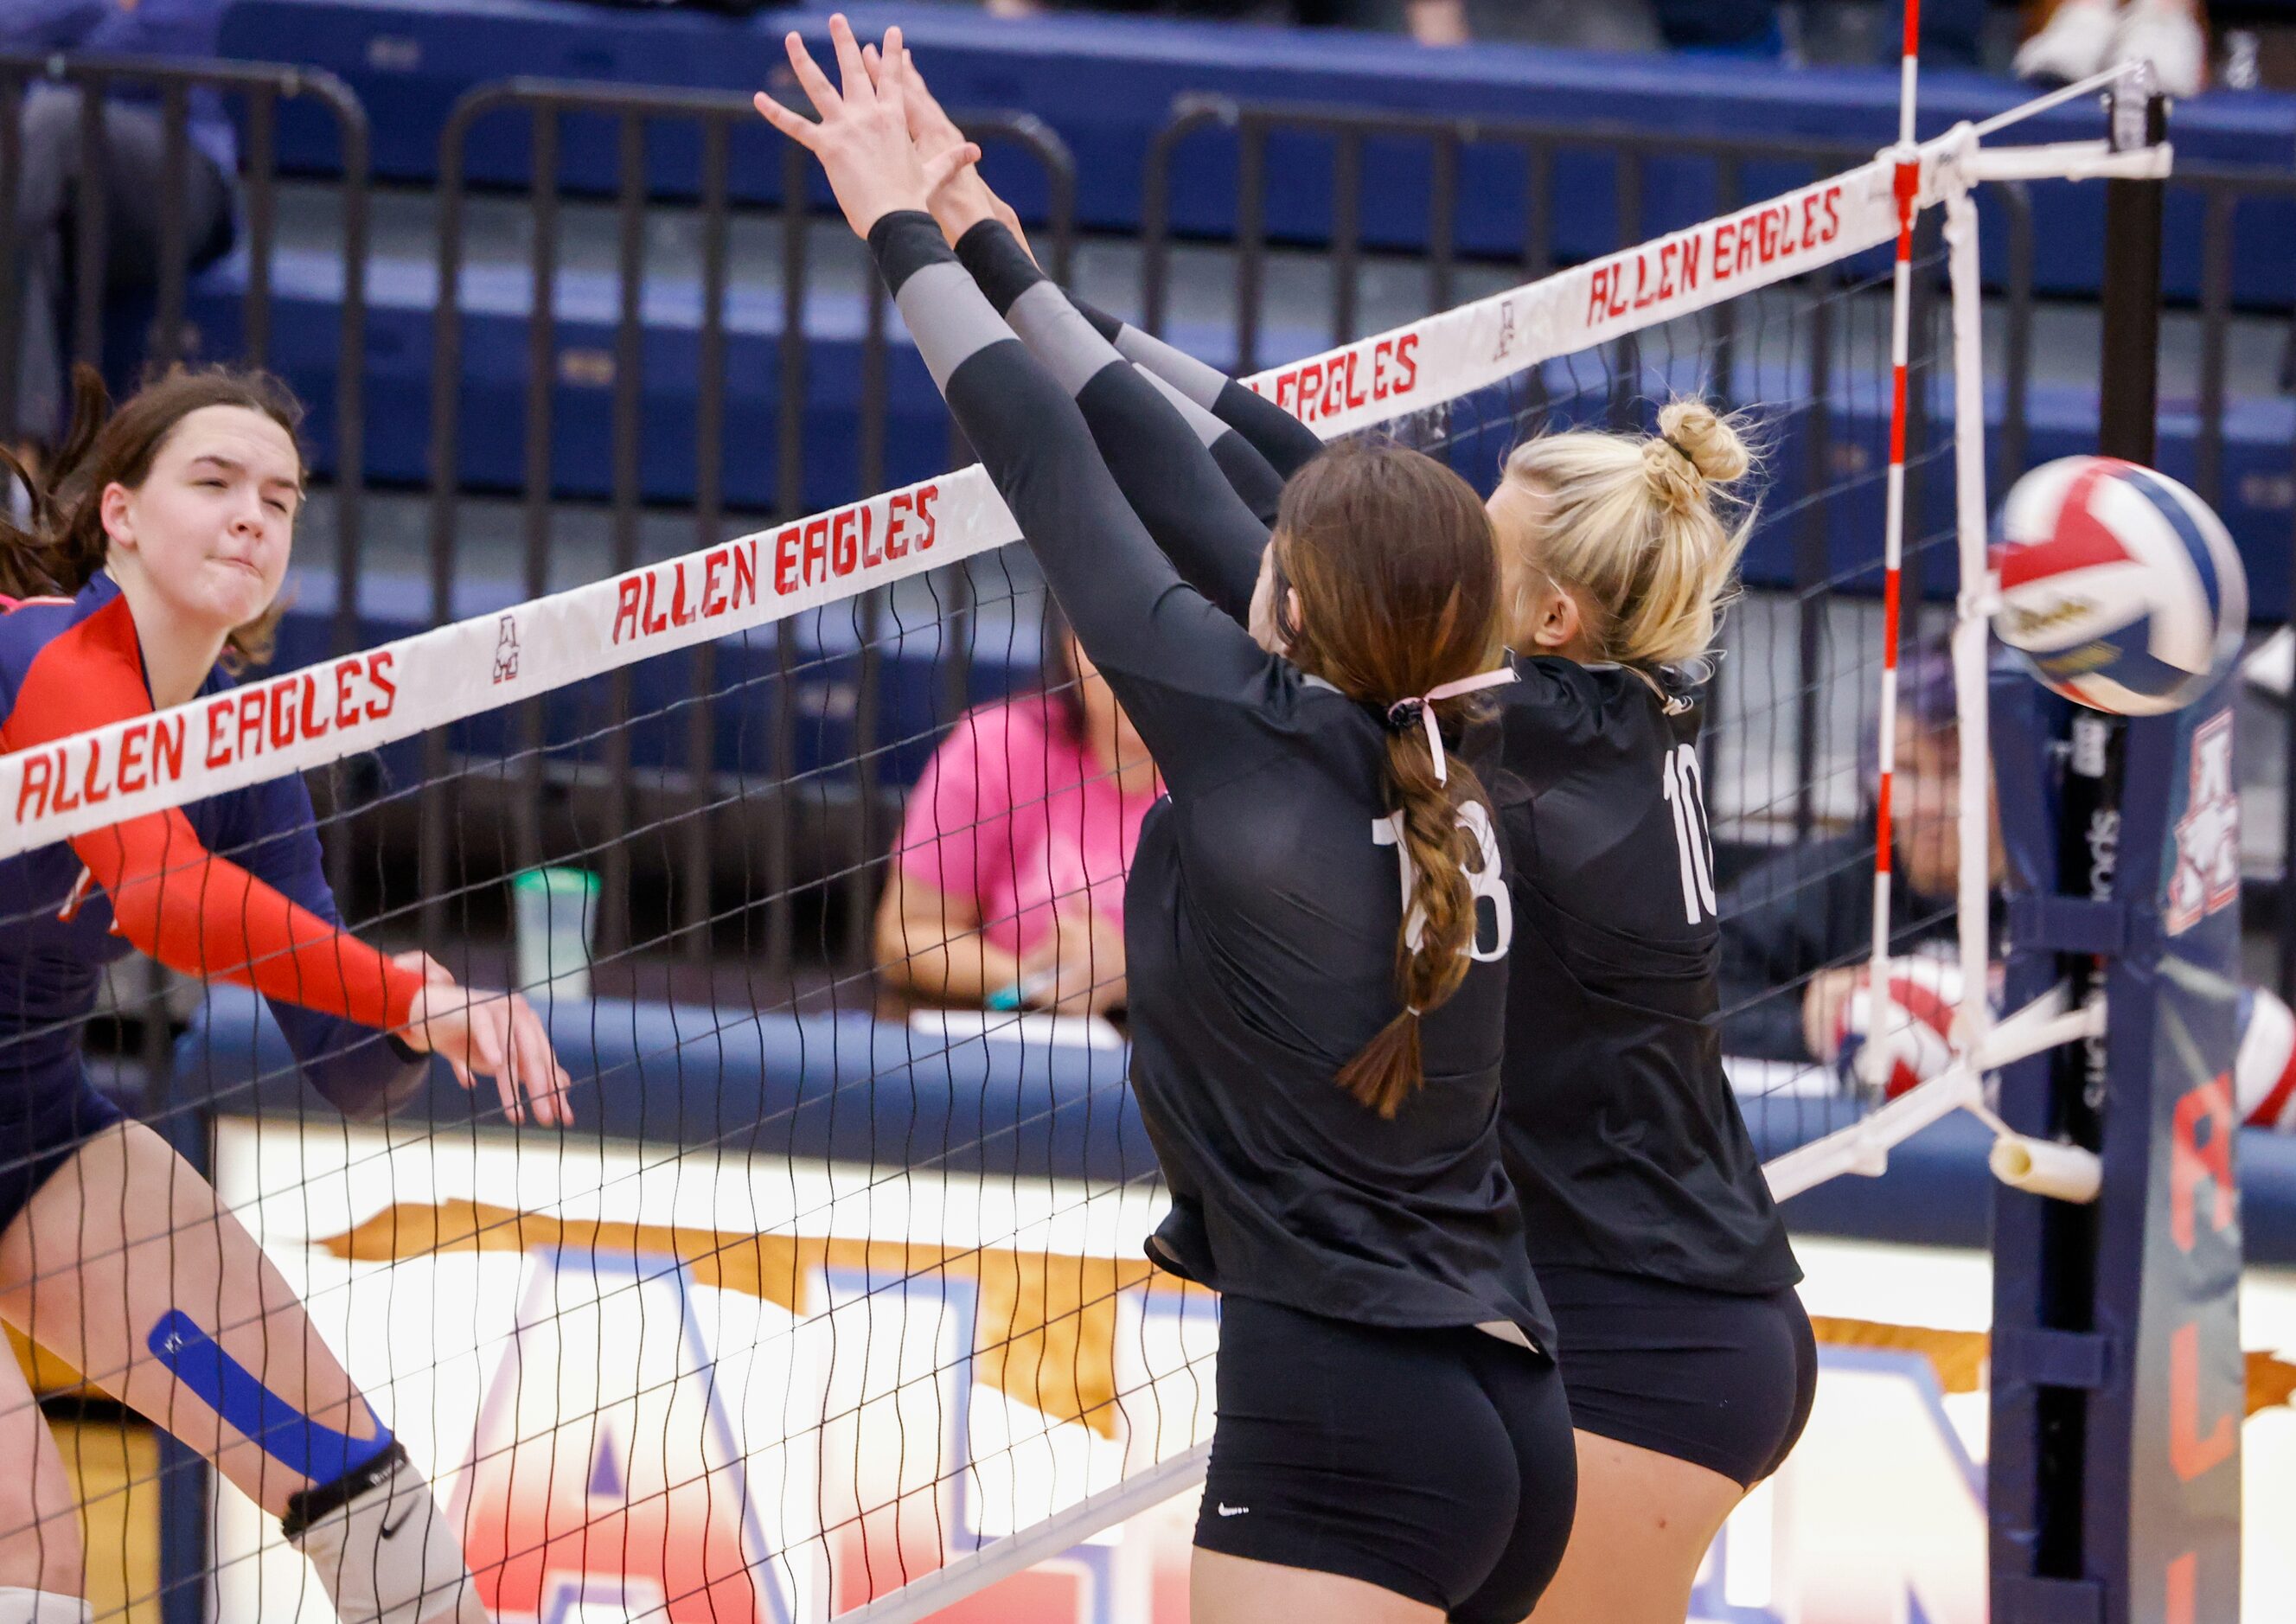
1262	908
1625	1144
1622	1136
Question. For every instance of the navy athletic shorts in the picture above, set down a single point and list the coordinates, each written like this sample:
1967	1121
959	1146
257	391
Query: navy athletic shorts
43	1119
1720	1380
1435	1463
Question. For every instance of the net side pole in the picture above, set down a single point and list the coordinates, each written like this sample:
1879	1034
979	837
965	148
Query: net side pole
2113	1471
1973	608
1874	1060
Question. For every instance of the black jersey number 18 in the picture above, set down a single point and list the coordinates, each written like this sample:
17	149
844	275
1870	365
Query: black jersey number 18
1494	908
1693	841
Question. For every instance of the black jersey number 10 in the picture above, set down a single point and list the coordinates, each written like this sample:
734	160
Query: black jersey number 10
1494	908
1693	842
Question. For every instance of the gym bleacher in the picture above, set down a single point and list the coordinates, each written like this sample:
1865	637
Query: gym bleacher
1106	87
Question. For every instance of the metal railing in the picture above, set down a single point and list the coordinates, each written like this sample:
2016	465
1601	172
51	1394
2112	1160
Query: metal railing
258	91
259	88
714	116
1352	240
1336	140
1346	133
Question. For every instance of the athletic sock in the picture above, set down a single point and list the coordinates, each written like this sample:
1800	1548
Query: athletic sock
382	1548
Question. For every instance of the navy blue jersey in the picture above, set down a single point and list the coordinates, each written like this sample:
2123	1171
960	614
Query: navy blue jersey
262	915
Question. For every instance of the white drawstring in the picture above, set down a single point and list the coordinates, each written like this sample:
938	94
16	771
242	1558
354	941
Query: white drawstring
1399	718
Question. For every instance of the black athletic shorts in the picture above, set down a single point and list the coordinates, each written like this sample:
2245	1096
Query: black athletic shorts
1438	1465
1720	1381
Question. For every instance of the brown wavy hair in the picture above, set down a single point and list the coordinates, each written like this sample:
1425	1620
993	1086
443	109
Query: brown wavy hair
59	549
1397	575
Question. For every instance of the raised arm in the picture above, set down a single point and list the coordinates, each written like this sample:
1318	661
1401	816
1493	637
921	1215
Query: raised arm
1163	449
1256	444
1144	627
1281	439
1181	667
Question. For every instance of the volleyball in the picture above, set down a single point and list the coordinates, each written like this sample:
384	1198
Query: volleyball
2119	586
2264	1064
1925	993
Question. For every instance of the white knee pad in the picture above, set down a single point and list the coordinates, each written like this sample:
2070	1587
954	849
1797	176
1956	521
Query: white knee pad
42	1607
382	1549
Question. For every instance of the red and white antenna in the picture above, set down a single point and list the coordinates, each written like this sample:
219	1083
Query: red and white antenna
1874	1064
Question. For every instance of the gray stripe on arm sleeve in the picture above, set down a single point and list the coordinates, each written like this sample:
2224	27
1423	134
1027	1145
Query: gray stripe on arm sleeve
1208	428
950	318
1198	382
1068	345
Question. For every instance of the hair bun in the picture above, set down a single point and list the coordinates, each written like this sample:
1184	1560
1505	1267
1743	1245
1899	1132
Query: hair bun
1702	439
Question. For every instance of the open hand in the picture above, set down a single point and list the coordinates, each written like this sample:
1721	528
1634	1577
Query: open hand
964	198
1821	1009
863	135
488	1034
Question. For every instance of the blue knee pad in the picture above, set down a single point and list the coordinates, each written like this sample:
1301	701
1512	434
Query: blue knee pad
229	1389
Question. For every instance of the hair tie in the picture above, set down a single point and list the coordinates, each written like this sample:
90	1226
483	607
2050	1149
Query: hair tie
1682	452
1420	708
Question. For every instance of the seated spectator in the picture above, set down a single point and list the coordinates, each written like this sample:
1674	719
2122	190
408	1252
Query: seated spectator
1007	882
2079	37
134	176
1797	928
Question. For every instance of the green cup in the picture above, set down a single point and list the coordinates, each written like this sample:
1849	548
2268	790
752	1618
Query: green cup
555	911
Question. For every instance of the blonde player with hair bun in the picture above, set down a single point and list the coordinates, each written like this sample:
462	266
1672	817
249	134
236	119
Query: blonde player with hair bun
1639	529
1686	1352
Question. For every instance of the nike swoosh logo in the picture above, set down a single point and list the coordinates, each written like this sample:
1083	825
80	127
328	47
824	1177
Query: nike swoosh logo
390	1528
1235	1511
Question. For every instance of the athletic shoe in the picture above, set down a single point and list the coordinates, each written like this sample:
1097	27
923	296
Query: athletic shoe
2170	40
2074	43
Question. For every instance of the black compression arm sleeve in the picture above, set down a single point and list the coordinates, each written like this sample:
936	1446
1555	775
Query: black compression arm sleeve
1164	451
1283	439
1179	664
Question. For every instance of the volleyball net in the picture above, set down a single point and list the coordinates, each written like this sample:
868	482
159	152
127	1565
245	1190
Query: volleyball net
809	847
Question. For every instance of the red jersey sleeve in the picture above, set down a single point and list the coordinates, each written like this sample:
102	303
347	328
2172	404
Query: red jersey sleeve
198	914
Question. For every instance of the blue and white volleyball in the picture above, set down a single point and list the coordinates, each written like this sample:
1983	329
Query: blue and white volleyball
2119	586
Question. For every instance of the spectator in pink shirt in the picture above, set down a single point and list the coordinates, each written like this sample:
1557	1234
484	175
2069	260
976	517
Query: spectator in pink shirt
1007	882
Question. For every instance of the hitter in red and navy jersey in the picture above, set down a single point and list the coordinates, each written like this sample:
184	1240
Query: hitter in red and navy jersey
157	546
